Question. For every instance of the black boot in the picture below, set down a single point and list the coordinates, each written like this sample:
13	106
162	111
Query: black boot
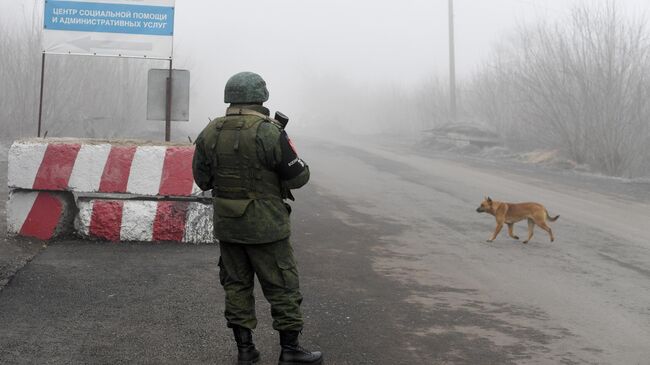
293	354
247	354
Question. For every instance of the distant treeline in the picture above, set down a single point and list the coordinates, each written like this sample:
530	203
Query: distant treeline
579	84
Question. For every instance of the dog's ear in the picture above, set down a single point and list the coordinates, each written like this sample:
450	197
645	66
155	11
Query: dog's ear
489	199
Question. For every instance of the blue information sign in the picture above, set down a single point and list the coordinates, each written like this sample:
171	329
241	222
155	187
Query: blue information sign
109	18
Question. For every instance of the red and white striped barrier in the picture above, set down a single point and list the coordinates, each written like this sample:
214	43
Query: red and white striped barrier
39	214
100	167
124	191
137	220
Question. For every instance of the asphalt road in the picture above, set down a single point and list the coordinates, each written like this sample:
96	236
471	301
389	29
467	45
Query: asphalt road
394	269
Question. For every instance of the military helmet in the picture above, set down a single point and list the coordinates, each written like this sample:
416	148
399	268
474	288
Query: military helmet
245	88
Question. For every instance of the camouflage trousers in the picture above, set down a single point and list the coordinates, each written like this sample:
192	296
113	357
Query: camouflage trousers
275	268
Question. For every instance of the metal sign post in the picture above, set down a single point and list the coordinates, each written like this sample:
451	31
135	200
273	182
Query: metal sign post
115	28
40	102
168	96
168	106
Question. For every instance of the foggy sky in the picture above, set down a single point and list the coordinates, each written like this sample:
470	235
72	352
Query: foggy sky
373	43
369	42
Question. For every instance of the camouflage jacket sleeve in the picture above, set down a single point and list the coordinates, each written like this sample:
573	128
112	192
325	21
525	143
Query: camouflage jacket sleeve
201	169
280	156
293	171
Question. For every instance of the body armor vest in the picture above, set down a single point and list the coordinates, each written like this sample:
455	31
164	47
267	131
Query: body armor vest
239	173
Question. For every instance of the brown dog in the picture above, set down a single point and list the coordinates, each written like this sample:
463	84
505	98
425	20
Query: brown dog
509	213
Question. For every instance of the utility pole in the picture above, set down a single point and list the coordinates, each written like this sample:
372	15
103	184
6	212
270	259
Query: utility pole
453	113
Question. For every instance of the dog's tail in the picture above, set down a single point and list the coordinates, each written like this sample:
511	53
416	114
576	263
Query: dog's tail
552	219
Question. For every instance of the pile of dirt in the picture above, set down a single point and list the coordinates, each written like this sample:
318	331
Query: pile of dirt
551	158
547	158
496	152
461	138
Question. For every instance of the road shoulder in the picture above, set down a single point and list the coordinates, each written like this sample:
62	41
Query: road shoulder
15	253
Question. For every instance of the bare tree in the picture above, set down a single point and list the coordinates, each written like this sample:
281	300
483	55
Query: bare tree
580	85
84	96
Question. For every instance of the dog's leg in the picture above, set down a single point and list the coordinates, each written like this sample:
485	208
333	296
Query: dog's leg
531	227
545	227
496	232
510	231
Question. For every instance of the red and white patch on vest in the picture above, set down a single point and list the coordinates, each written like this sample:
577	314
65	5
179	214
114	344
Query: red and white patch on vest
293	147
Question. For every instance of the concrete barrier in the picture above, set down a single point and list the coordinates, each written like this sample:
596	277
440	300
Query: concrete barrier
91	166
40	214
137	220
114	190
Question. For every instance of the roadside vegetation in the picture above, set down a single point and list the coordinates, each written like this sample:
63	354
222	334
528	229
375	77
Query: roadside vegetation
576	88
580	85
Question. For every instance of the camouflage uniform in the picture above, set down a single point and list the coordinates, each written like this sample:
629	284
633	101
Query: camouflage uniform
249	162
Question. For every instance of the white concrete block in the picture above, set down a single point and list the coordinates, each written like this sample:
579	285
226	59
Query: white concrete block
146	170
87	171
137	220
24	161
83	218
198	227
19	205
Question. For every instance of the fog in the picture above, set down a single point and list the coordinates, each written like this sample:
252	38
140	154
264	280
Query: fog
371	44
333	66
553	109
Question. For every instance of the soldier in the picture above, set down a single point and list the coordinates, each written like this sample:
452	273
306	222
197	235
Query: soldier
248	161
